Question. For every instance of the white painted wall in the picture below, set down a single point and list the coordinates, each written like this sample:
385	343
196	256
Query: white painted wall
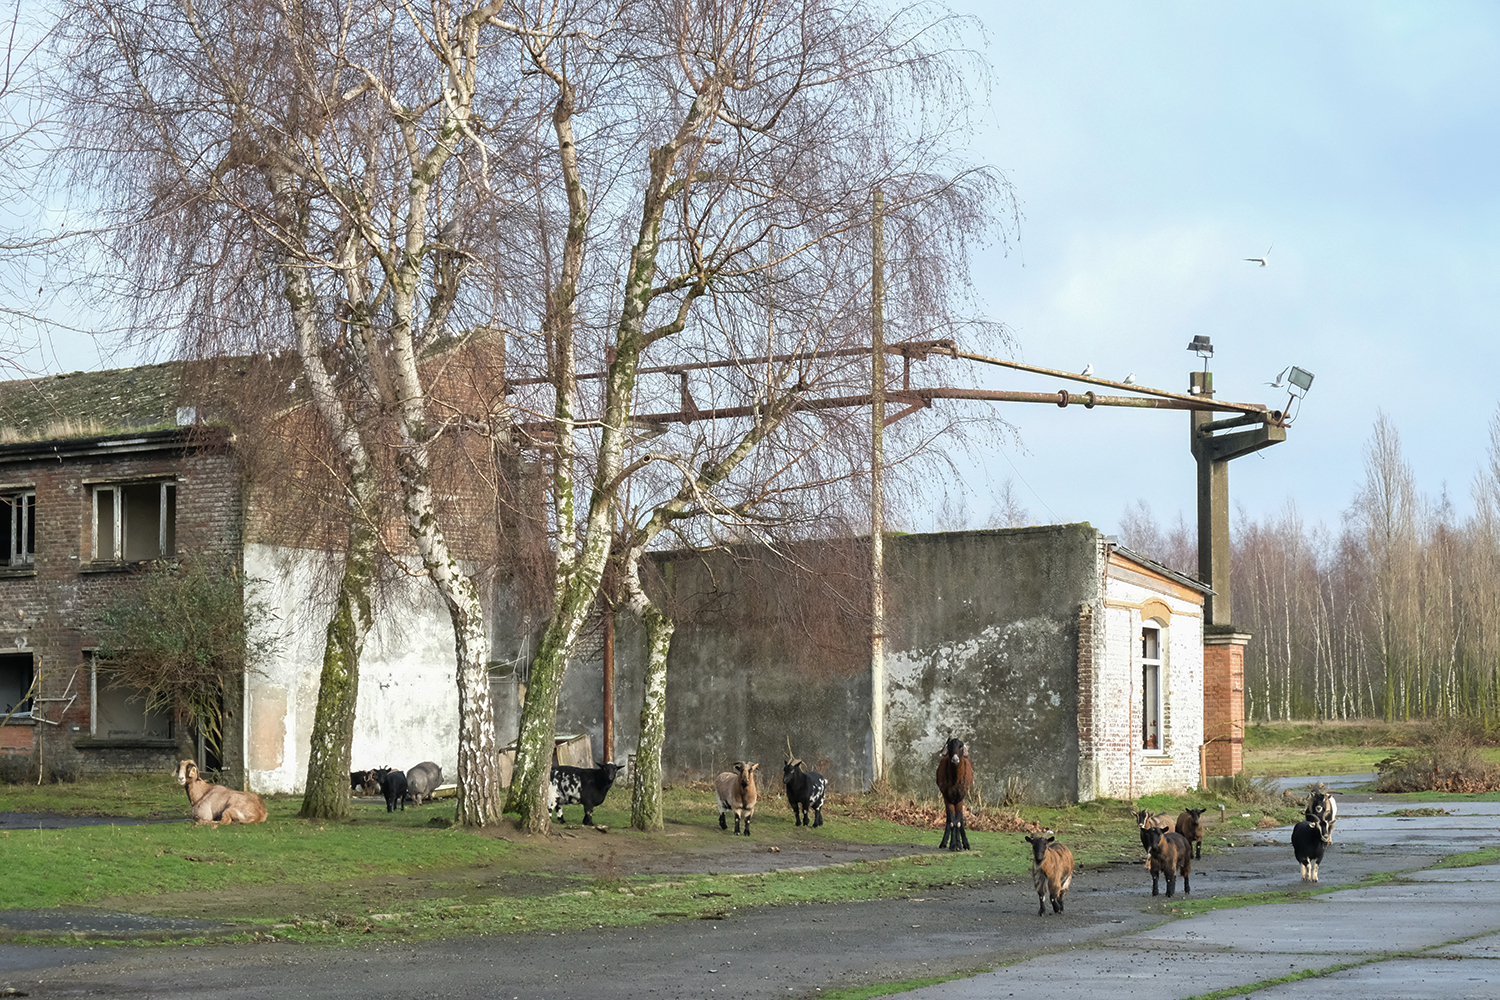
408	692
1128	770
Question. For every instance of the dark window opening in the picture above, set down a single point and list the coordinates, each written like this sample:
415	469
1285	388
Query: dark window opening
18	525
1151	720
15	685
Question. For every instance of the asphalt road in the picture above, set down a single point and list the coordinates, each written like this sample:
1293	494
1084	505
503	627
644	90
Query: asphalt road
1435	934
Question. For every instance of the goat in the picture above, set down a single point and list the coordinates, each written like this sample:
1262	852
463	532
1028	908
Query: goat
422	780
215	804
737	794
1145	820
1322	807
1190	826
393	786
1051	871
804	790
581	786
955	776
1170	855
1309	840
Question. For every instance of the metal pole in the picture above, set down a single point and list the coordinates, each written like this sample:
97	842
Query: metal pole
877	503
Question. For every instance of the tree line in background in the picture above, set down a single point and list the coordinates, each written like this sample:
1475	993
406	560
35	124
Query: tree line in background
1394	615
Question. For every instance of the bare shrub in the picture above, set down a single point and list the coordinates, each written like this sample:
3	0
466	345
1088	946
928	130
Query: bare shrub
1448	760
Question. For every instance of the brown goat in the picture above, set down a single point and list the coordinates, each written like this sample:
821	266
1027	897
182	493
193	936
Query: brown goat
1145	820
1190	826
737	794
1170	855
217	804
955	776
1051	871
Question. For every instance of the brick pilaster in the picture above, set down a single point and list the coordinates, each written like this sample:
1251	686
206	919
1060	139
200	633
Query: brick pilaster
1224	700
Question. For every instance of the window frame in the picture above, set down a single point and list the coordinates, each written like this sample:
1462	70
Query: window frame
21	557
119	521
136	737
22	711
1152	696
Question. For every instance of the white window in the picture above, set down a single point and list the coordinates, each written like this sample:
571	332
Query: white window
18	522
135	522
120	712
1152	727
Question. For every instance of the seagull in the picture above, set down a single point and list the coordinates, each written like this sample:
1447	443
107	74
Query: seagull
1130	379
1088	369
1261	260
1278	383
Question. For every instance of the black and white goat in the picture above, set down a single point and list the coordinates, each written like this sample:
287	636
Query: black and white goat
805	790
1309	841
581	786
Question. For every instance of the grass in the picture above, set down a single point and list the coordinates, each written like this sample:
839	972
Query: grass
399	875
1282	749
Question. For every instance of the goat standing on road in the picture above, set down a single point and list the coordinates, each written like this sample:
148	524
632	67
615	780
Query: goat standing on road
737	794
805	790
955	776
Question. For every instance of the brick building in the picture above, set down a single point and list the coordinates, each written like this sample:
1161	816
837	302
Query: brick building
102	473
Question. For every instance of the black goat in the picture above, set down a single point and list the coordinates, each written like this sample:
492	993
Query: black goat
393	786
581	786
1309	841
804	790
955	776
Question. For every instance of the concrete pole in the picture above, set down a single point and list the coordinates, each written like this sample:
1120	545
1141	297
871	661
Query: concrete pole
877	486
1213	510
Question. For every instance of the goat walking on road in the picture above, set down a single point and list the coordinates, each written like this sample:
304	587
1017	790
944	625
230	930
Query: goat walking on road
737	794
955	776
1051	871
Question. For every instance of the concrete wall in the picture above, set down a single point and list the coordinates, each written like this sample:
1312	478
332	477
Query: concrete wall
407	710
983	646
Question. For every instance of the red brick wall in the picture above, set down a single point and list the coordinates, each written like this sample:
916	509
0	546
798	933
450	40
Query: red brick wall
52	610
1224	702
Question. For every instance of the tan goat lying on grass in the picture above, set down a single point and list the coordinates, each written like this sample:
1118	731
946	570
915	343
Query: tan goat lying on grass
215	803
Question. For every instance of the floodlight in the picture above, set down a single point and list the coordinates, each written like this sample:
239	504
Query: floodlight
1201	346
1300	377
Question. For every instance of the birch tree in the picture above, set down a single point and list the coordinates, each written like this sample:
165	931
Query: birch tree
708	197
299	175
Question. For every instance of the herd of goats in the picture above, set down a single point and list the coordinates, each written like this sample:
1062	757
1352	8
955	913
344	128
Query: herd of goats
1171	846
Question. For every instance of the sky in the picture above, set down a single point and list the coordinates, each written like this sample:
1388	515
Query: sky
1152	148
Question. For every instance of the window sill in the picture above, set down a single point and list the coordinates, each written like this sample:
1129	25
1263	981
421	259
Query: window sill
1155	758
15	572
136	743
109	566
19	719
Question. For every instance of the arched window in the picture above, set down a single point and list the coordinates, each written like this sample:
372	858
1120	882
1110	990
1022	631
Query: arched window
1153	727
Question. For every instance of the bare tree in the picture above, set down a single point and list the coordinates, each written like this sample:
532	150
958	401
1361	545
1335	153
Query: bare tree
708	199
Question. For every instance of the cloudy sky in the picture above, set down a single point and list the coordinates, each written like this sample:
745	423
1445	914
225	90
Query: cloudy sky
1153	147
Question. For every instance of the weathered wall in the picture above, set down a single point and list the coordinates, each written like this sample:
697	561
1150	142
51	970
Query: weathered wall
407	710
984	647
972	651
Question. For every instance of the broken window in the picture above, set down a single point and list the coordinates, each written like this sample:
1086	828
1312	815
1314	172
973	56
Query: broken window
122	712
19	526
135	522
15	685
1151	719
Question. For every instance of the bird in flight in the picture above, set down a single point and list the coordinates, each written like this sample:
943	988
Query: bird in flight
1261	260
1130	379
1088	369
1278	383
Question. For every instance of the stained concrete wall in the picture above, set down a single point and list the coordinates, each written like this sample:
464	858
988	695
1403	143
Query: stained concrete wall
984	647
982	644
407	710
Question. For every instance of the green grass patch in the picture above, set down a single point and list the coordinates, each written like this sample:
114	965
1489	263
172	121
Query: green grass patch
1423	811
1194	907
132	795
886	989
1290	977
1468	859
